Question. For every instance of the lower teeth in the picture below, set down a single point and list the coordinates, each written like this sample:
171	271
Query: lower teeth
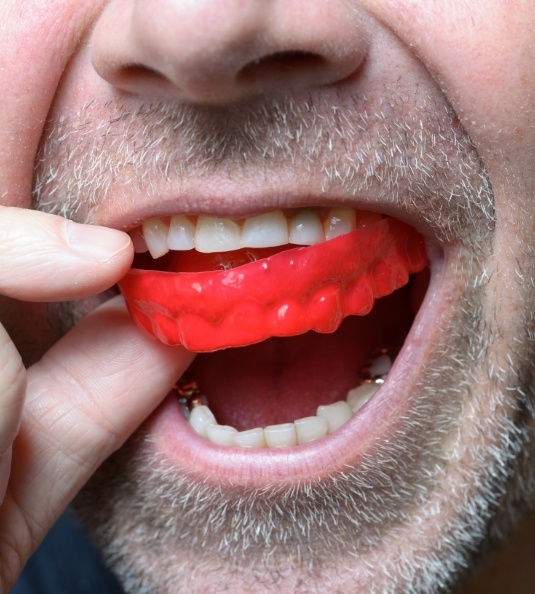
328	418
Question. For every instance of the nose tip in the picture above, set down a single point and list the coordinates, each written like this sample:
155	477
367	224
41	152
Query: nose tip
221	51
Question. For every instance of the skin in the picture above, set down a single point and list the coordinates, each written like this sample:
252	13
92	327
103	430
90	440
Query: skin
82	396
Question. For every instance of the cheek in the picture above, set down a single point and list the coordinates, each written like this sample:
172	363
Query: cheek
481	54
38	39
79	86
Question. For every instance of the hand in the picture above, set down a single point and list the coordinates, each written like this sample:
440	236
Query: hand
60	419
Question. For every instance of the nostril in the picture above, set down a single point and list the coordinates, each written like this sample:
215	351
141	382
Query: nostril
130	74
276	70
226	51
281	64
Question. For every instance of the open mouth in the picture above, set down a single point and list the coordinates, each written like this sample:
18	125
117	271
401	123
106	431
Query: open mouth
315	302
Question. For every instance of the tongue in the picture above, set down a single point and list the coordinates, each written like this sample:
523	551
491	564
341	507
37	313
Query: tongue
283	379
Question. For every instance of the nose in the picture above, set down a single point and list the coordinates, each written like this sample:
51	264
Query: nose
223	51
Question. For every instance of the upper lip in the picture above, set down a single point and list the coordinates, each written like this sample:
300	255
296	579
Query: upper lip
389	167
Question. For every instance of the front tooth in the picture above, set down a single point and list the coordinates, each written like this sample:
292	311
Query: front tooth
217	235
200	418
280	436
310	429
181	233
358	396
252	438
221	434
336	414
155	234
266	230
339	222
306	228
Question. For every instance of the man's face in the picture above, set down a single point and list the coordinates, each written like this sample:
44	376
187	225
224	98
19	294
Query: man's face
122	112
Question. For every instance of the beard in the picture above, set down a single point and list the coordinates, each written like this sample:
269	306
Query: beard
413	513
162	530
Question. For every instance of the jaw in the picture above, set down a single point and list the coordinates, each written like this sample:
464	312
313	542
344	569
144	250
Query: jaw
169	503
338	506
283	379
172	500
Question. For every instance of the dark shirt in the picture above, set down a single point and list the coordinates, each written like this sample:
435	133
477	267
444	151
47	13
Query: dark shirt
66	563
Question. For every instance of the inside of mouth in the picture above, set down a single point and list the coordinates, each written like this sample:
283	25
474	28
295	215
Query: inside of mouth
194	261
284	379
287	379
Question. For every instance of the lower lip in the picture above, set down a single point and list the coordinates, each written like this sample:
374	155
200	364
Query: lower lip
374	422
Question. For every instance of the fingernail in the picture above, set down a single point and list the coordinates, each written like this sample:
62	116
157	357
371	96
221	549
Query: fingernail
99	243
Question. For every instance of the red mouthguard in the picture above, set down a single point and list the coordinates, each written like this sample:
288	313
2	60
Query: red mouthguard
288	293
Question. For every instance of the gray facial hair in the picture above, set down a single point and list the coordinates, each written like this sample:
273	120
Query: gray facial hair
162	530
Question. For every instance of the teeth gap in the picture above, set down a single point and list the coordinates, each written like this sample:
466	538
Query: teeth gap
328	419
206	234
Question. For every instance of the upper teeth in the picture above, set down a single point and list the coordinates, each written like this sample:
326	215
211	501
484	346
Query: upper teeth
210	234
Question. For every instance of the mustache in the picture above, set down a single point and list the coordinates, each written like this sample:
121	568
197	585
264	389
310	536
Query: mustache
410	152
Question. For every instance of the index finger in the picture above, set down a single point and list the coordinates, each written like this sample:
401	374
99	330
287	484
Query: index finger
85	397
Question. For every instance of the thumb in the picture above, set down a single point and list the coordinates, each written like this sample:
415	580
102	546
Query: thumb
45	257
